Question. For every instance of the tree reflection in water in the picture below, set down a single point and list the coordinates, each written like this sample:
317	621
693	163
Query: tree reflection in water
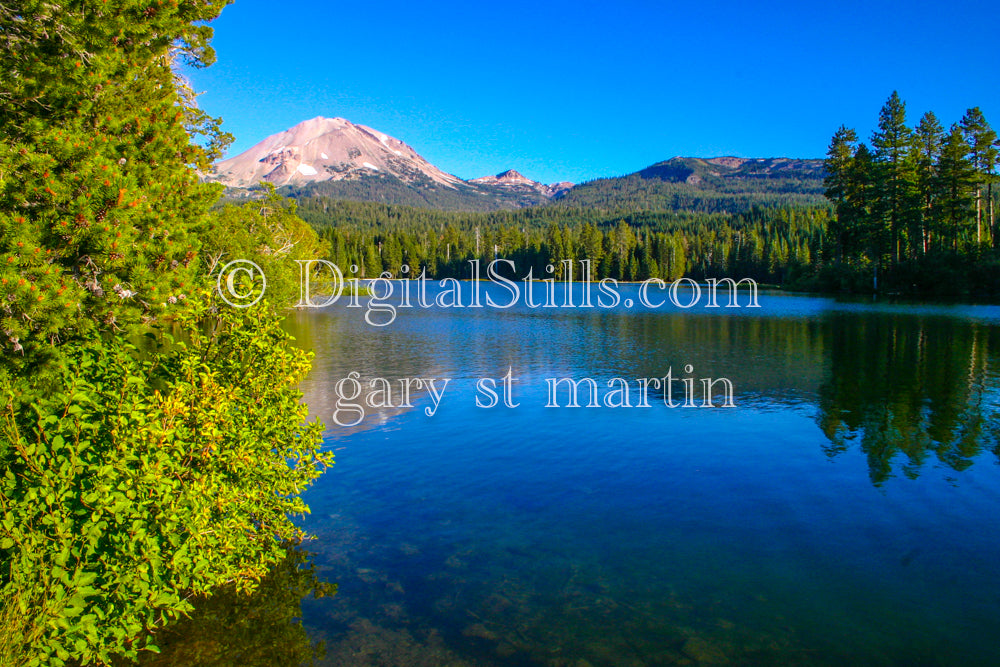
919	388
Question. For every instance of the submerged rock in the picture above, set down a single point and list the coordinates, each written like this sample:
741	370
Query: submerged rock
480	631
704	652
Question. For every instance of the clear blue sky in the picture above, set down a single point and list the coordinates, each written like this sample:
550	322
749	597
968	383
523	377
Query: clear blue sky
575	91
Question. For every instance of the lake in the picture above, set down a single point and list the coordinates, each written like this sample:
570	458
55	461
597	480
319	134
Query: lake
845	511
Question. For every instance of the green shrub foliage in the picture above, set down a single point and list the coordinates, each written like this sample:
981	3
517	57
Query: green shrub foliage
269	233
135	481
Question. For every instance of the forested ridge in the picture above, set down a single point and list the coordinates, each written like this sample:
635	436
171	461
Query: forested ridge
715	185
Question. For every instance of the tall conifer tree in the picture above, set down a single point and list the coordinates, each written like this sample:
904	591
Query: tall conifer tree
928	139
839	160
955	184
892	144
98	198
867	231
981	140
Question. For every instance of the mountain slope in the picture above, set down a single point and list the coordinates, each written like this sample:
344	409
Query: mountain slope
713	185
422	193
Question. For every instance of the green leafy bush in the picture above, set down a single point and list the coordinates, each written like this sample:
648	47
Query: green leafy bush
134	481
269	233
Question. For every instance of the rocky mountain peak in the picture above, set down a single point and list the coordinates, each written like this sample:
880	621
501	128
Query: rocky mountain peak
327	149
514	180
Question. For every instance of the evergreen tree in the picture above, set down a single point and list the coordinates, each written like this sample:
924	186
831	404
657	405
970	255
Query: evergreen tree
893	156
991	163
955	184
866	231
981	140
839	160
928	139
590	244
98	197
134	479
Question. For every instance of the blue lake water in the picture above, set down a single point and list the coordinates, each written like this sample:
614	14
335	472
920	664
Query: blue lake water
846	511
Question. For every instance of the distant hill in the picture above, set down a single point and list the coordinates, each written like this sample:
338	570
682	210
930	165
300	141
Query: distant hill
713	185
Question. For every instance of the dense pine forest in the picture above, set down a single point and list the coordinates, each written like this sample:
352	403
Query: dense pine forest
771	245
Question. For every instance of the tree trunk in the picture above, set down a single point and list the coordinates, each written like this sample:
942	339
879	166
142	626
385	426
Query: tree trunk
992	220
979	215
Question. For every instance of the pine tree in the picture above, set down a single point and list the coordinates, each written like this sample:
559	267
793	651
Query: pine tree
992	161
955	185
840	157
981	140
371	266
866	231
928	138
590	239
892	144
99	197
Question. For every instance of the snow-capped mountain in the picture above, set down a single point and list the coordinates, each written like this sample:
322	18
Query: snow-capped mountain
340	159
327	149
